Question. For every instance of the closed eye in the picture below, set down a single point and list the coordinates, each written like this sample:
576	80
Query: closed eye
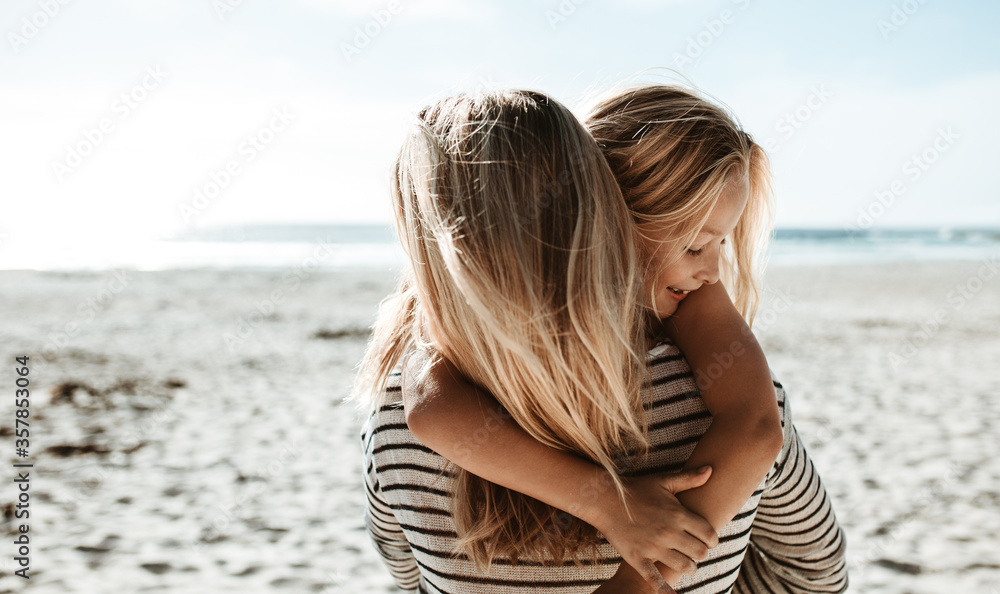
697	252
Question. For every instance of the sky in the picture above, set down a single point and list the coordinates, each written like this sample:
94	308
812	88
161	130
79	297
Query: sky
127	120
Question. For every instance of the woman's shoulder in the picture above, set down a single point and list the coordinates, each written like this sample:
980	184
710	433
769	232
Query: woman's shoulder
662	347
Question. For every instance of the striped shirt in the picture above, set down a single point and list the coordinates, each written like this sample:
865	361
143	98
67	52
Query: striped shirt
784	539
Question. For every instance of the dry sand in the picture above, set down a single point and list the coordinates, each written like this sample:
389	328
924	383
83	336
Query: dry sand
166	460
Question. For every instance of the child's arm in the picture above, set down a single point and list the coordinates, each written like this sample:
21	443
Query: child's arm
735	382
471	429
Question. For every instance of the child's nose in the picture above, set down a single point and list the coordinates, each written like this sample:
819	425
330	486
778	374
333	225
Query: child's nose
709	274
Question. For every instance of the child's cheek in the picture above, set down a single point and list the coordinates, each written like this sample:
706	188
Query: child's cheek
665	306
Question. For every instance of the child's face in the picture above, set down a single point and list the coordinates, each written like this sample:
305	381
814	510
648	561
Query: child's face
700	263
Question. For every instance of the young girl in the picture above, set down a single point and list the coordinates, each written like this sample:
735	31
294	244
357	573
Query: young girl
548	355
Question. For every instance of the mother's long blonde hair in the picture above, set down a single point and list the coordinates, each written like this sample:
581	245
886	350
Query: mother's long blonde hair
522	257
673	152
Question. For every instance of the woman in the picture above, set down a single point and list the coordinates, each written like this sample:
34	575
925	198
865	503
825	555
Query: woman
470	163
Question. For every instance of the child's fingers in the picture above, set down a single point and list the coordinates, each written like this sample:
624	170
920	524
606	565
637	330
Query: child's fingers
687	479
678	561
690	547
696	526
647	569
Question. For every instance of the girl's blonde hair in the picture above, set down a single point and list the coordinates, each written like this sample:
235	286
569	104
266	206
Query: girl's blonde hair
522	256
673	153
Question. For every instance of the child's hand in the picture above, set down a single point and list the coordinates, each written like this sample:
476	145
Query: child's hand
662	529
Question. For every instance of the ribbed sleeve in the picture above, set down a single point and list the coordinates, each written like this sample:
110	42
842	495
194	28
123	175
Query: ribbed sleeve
796	544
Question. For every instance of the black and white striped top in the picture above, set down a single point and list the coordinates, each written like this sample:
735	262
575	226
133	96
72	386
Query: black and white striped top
784	539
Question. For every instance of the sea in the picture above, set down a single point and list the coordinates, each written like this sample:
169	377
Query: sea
376	247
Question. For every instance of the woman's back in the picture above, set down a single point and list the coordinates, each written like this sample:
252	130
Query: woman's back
408	499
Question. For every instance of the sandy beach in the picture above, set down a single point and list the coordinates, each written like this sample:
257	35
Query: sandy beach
188	434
